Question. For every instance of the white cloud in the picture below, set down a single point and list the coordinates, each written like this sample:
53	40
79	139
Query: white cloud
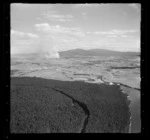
133	5
32	35
85	5
112	36
120	32
26	6
13	32
42	26
113	32
55	16
84	14
63	38
21	5
45	27
21	34
56	37
38	18
23	42
136	7
121	40
129	36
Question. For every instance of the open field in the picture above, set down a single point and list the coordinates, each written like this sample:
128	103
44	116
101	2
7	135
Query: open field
88	69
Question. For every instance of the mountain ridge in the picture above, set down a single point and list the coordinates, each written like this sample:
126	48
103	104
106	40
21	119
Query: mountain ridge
76	53
95	52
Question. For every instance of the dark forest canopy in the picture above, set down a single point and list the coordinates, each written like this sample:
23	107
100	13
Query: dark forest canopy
50	106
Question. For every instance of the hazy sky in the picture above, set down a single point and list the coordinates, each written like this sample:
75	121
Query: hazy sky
38	27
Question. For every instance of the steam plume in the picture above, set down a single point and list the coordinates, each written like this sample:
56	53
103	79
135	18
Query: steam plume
48	49
45	45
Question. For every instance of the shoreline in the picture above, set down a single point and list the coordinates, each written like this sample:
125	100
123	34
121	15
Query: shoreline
134	98
128	99
129	103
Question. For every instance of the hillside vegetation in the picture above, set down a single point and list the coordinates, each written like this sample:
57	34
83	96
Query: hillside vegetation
50	106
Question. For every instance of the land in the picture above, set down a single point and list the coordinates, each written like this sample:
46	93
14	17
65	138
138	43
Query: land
114	69
51	106
95	85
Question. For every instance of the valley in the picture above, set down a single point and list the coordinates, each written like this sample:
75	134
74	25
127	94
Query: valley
112	71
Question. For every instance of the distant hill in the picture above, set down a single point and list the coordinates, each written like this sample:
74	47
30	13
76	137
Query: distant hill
95	52
73	53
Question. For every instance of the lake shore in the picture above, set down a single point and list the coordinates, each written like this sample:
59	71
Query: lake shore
134	97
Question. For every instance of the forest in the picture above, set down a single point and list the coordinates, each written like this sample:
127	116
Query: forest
41	105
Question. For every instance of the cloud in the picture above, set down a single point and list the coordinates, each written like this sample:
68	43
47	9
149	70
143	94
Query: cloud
23	42
53	38
53	29
84	15
85	5
54	16
113	32
62	37
136	7
23	35
112	36
38	18
26	6
21	5
121	40
124	36
50	38
42	26
133	5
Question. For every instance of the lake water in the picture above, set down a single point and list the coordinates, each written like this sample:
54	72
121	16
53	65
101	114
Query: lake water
135	105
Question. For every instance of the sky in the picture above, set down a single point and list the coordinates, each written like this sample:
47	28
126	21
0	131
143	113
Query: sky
59	27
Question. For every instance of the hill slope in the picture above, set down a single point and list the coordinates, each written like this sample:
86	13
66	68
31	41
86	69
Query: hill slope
50	106
95	52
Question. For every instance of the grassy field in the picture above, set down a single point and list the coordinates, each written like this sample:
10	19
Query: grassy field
37	108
